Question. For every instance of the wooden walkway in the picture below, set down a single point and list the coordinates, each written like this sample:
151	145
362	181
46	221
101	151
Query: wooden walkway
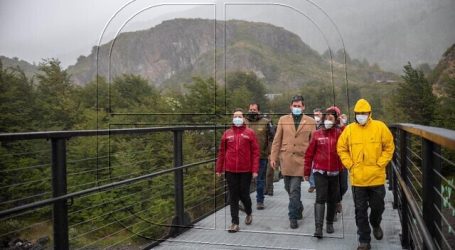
270	228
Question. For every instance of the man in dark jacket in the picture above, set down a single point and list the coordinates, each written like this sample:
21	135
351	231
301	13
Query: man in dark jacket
261	127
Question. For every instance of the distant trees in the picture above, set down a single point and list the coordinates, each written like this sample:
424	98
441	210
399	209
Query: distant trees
445	115
414	97
243	88
55	96
17	99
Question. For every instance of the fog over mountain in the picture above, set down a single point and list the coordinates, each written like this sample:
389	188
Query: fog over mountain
387	32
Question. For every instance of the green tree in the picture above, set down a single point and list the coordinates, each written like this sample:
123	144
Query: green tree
446	105
243	88
204	96
17	101
56	97
415	98
128	92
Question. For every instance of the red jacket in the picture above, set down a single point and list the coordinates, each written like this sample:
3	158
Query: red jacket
239	151
322	151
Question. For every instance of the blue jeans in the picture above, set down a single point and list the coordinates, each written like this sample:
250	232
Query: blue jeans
260	181
292	184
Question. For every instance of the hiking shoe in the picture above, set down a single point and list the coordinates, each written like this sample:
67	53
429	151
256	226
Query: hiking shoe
260	206
269	193
364	246
318	232
293	223
233	228
311	189
248	219
377	232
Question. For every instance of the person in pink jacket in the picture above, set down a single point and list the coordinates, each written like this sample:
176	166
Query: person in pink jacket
322	152
238	157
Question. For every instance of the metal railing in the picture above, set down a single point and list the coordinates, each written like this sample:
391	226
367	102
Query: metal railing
61	200
421	176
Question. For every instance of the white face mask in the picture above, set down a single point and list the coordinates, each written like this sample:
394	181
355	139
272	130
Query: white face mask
317	118
344	121
361	119
296	111
328	124
237	121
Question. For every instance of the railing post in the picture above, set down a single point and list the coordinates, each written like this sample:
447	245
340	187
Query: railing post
178	221
431	184
393	178
60	209
405	239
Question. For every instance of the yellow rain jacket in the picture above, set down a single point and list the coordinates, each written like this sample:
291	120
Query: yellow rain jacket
366	150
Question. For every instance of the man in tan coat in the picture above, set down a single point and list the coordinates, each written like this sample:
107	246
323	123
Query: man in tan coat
291	140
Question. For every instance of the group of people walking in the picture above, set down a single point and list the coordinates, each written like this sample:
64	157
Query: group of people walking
305	149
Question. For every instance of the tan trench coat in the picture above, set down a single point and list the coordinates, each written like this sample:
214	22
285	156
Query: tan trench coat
289	144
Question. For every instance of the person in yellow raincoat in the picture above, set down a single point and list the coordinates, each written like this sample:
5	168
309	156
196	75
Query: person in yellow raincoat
365	148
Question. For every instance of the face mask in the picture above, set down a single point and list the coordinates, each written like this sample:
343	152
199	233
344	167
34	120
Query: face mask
253	116
361	119
328	124
344	121
237	121
296	111
317	118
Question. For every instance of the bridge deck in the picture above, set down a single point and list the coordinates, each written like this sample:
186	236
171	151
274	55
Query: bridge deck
270	228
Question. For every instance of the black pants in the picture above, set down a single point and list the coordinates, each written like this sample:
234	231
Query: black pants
327	188
343	182
364	198
239	189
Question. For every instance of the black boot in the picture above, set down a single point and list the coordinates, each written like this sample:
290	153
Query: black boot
331	210
319	210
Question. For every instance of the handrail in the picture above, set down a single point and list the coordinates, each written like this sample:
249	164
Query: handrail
49	201
441	136
430	143
60	197
413	206
82	133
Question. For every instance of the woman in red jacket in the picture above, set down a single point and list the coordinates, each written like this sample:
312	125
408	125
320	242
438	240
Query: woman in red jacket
238	157
326	168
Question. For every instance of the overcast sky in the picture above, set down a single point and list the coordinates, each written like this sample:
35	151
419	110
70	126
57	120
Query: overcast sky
65	29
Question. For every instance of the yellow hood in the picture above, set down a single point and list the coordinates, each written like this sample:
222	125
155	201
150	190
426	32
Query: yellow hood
362	105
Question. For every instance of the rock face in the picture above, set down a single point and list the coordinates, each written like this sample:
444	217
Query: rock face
445	68
174	50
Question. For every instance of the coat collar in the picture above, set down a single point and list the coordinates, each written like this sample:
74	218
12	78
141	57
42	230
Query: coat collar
303	121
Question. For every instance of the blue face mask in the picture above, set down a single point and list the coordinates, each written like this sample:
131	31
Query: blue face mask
237	121
296	111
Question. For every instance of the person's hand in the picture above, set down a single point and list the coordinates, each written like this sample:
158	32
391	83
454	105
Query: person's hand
255	175
273	164
218	174
306	178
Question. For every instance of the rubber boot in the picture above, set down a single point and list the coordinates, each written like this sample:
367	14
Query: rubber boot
331	210
319	210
